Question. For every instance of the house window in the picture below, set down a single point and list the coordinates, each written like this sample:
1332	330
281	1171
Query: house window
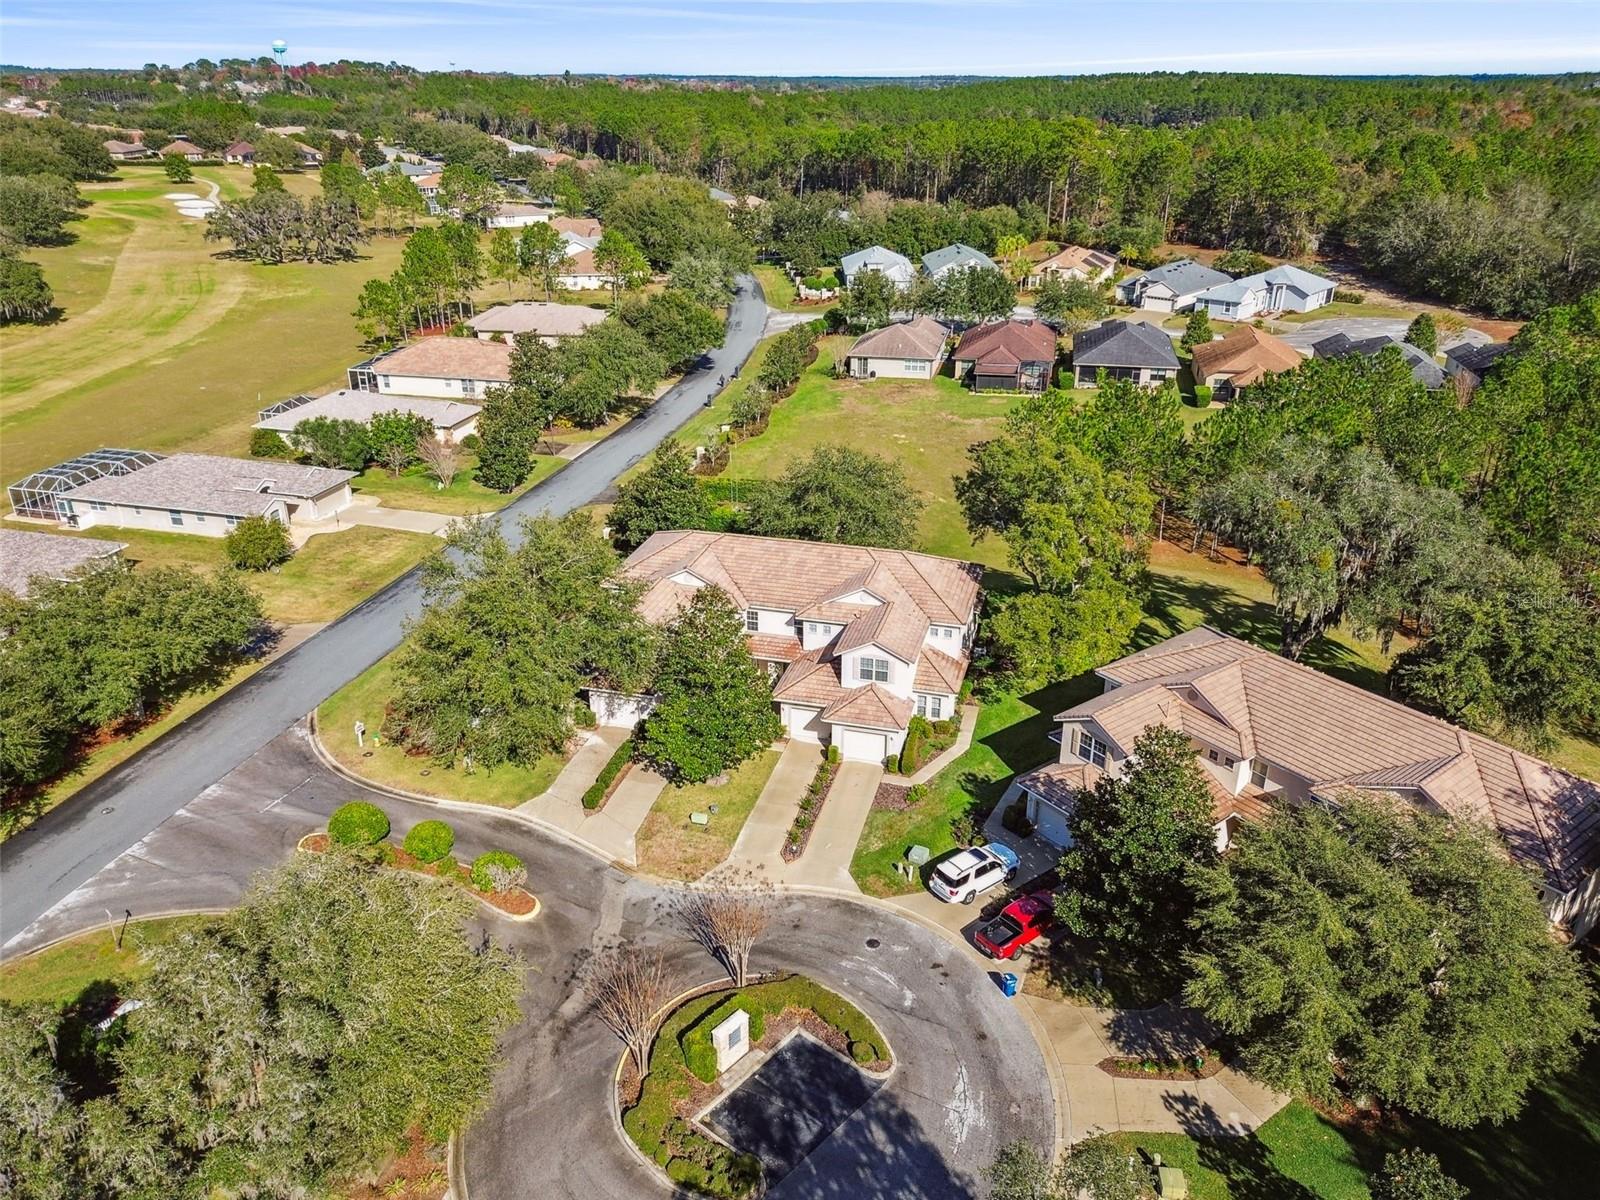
175	516
200	518
873	670
232	521
1258	772
1090	748
1158	376
752	620
912	365
469	387
1227	762
386	381
1212	755
96	505
931	707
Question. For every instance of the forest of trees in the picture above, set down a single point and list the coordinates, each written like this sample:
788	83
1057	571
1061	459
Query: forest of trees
1483	192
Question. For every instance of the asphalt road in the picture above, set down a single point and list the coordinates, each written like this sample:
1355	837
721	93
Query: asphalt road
66	846
968	1077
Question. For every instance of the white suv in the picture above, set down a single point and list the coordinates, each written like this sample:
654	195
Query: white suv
964	876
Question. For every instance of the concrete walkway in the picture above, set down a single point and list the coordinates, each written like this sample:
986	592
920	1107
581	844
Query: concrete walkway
562	803
760	842
963	742
826	861
611	830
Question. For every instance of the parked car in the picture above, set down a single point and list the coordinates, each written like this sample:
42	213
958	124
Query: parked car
964	876
1019	923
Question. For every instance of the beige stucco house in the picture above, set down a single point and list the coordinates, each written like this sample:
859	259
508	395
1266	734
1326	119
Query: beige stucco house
446	368
913	349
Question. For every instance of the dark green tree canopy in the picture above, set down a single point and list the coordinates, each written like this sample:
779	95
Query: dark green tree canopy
839	494
665	495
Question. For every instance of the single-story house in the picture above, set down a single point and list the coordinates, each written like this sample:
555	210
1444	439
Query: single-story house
856	640
725	197
451	419
1282	289
447	368
1231	364
516	216
547	322
1010	356
911	349
894	267
1472	363
1074	262
310	156
126	151
183	149
1423	369
584	227
1123	350
957	257
410	170
26	556
208	495
239	152
428	185
1170	288
580	273
1267	731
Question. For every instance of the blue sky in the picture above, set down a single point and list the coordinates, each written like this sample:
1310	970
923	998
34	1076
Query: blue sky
813	37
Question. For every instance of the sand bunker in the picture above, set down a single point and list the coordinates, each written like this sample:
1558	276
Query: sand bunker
181	196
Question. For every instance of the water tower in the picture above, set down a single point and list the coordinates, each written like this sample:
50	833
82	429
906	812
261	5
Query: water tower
279	49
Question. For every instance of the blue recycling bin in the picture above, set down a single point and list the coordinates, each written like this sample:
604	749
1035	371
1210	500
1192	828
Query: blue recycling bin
1008	983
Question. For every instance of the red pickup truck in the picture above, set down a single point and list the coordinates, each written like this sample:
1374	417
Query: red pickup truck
1018	924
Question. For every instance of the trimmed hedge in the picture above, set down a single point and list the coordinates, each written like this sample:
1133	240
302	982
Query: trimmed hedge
699	1055
498	871
358	823
595	795
430	841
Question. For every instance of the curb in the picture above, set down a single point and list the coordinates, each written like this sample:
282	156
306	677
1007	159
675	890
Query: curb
164	915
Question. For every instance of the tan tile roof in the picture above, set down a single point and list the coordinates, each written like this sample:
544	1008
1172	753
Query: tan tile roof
449	358
813	678
1090	262
921	338
1245	355
872	706
939	672
1007	343
538	318
1060	783
582	226
581	263
180	147
1340	736
772	646
26	556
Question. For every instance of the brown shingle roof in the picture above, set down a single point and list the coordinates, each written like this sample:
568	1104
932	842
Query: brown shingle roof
1340	736
449	358
1245	355
1007	343
180	147
921	338
582	226
538	318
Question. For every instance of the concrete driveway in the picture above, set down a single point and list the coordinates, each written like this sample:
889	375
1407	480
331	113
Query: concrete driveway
969	1074
1303	336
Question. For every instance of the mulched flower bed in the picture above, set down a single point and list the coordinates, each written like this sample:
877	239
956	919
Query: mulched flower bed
1163	1068
416	1173
810	809
518	902
892	797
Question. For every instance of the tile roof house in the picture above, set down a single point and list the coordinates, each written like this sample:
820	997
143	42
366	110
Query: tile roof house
1270	731
537	319
1247	355
1423	369
207	495
1170	288
911	349
126	151
183	149
1123	350
957	257
239	152
587	227
26	556
1073	262
897	268
1472	363
1009	356
515	216
1284	288
857	640
447	368
451	419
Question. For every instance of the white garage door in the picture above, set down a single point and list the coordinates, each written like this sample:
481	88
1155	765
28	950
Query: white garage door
1050	823
804	724
862	745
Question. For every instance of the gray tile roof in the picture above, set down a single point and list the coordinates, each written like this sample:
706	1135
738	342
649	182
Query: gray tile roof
25	556
1184	277
1124	344
958	255
348	404
209	483
1423	369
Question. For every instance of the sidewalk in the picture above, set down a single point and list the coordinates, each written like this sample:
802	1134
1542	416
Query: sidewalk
760	842
611	829
826	861
963	742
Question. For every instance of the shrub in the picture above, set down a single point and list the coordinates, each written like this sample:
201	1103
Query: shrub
471	442
699	1055
1341	296
269	443
863	1052
430	841
1015	818
583	717
595	795
358	823
835	754
258	544
498	871
964	830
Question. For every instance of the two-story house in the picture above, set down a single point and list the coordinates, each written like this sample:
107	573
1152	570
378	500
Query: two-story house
1268	731
856	640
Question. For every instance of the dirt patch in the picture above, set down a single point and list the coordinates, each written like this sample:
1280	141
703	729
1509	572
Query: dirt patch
417	1173
1194	1067
892	797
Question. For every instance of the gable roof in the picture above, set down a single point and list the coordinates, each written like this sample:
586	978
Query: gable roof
1477	359
958	254
449	358
537	317
209	483
238	148
1007	343
1090	262
1295	278
180	146
350	404
1337	736
1124	344
875	258
1423	369
1184	277
921	338
26	556
1245	355
588	227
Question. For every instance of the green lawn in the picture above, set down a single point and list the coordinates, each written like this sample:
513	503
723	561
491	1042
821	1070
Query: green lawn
366	699
1349	310
669	846
415	488
780	293
63	972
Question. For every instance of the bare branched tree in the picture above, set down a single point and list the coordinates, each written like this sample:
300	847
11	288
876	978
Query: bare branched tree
727	914
629	986
443	458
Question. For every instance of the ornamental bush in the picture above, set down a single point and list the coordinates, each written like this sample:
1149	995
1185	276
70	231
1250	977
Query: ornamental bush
269	443
498	871
595	794
358	823
258	544
430	841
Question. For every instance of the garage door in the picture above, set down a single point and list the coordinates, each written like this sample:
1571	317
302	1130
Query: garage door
804	724
1051	823
862	745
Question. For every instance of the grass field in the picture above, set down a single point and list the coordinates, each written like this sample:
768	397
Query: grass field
415	488
60	974
1349	310
668	845
780	293
163	345
366	699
